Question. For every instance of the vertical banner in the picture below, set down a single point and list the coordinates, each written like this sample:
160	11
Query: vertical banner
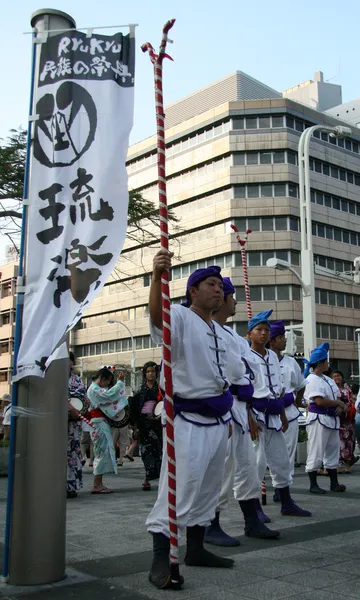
78	198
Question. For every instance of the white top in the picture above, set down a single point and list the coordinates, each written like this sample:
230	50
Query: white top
267	383
7	415
237	373
199	356
325	387
292	380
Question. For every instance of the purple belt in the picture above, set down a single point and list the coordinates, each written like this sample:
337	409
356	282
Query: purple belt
320	410
268	406
217	406
288	399
244	393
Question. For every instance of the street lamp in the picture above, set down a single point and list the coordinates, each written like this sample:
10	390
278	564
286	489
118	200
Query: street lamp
307	256
283	265
133	355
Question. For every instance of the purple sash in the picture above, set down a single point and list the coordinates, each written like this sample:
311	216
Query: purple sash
288	399
321	410
271	406
244	393
217	406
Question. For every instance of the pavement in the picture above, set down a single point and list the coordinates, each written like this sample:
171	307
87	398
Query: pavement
109	551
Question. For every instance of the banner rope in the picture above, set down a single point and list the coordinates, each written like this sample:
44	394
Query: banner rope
157	61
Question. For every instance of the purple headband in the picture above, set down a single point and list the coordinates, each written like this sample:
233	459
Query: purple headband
276	328
228	286
200	275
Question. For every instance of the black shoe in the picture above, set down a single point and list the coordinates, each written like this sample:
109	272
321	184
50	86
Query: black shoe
160	575
314	488
72	494
197	556
288	506
216	536
335	486
253	526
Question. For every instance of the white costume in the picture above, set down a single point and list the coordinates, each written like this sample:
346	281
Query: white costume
322	429
271	449
292	381
240	465
199	361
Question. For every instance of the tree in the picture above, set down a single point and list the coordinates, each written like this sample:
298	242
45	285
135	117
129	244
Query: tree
143	215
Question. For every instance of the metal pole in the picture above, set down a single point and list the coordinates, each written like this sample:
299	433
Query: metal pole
38	524
307	255
133	353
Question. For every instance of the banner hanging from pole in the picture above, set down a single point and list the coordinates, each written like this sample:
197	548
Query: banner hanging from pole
78	199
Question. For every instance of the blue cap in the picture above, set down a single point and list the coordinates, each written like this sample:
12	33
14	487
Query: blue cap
261	317
319	354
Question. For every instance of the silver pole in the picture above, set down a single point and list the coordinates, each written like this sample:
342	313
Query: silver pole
38	526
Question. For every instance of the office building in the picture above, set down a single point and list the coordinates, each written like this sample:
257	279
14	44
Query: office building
8	270
232	158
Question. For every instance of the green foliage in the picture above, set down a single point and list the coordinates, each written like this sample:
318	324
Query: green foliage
303	436
4	443
12	164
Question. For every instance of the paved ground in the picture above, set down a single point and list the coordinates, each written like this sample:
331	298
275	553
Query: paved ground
315	559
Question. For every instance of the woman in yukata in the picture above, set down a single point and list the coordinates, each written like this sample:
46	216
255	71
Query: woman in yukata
107	401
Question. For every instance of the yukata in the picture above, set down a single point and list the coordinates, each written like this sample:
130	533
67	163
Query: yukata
202	403
322	424
74	457
292	381
240	466
105	403
347	427
266	406
150	429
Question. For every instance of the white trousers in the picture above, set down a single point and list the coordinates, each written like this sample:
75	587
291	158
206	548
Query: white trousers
241	472
291	439
200	462
271	451
323	447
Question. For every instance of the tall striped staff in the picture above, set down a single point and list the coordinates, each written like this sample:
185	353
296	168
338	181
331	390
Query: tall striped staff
157	61
242	244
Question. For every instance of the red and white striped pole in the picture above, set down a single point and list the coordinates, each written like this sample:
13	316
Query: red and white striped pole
242	244
157	61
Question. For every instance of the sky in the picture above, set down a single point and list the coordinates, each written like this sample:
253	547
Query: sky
279	42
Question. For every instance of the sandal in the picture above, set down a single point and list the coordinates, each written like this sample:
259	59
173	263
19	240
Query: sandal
130	458
103	490
146	486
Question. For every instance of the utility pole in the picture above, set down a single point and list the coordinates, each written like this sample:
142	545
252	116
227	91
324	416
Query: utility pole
38	524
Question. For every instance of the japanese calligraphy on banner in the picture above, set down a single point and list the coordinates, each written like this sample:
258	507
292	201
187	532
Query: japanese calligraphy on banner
78	196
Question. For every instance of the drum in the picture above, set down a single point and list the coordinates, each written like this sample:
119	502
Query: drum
78	404
122	419
158	410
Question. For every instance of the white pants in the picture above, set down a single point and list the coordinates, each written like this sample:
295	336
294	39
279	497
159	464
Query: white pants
291	439
323	447
229	472
200	462
271	450
120	435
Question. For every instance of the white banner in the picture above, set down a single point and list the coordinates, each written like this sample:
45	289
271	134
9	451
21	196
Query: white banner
78	196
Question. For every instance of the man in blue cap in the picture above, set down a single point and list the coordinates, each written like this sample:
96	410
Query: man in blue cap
267	406
323	422
293	382
202	402
240	467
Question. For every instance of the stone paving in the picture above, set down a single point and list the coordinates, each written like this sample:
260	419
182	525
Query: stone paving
109	552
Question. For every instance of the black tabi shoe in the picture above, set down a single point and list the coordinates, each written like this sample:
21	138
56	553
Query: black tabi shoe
314	488
335	486
197	556
253	526
160	575
216	536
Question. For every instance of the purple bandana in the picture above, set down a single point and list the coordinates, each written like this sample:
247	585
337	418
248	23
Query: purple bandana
276	328
228	287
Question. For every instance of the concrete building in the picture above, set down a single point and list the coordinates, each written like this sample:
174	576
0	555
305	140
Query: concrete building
234	160
316	93
8	277
349	111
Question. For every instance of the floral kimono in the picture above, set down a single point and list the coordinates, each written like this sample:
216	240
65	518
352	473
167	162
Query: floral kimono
105	402
74	458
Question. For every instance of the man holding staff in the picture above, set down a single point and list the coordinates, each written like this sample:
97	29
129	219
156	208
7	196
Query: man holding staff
202	403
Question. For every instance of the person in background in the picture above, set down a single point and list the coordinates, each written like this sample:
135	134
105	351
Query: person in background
133	443
74	458
356	391
86	444
323	423
347	422
107	400
148	427
6	416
